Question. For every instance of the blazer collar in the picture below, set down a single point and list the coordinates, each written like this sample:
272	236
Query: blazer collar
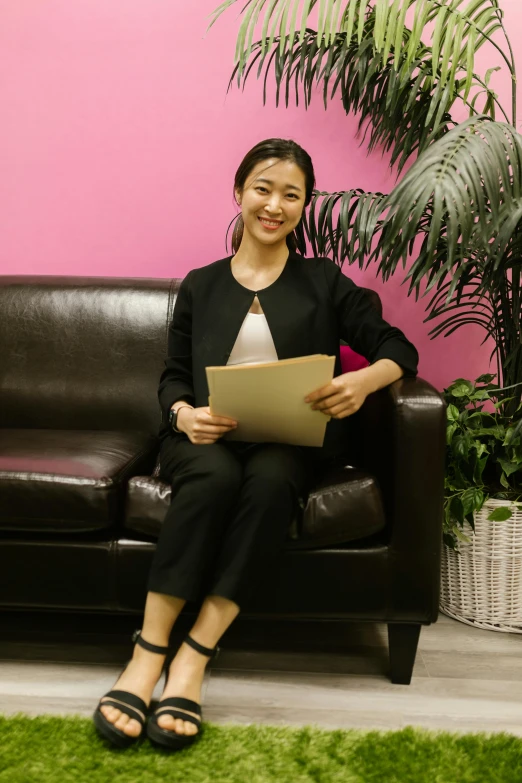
233	301
288	269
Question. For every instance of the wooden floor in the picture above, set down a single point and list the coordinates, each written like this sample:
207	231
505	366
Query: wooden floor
281	672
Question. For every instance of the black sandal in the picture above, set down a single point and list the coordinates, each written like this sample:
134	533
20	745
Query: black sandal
176	706
128	703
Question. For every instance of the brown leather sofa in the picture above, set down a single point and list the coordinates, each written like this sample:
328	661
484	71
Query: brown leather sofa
81	503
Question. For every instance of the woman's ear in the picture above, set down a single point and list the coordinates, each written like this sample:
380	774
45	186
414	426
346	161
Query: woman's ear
238	197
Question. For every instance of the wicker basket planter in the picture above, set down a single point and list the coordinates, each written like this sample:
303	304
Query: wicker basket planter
482	586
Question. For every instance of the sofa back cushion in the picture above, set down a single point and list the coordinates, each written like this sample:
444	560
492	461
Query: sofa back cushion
87	353
83	352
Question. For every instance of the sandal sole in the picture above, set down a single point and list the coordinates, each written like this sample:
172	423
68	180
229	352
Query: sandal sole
117	737
169	739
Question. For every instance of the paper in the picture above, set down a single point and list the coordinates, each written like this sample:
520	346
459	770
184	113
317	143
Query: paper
267	400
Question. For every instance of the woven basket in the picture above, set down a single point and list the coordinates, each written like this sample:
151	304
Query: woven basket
482	586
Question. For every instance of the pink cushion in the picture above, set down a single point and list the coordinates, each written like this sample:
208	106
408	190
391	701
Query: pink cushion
351	361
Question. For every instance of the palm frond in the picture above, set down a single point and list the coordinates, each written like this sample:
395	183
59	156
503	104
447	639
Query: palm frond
477	297
343	225
464	178
459	33
472	306
461	27
395	114
506	250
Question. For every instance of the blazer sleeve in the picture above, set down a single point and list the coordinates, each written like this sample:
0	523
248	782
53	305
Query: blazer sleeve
361	326
176	379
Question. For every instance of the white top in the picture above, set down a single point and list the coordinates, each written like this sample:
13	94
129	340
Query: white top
254	343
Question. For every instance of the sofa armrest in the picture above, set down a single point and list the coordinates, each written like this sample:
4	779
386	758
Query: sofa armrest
403	446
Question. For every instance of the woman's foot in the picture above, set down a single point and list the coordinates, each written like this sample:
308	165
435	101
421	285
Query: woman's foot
185	679
140	677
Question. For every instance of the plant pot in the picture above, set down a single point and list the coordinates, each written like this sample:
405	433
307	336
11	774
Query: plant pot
482	586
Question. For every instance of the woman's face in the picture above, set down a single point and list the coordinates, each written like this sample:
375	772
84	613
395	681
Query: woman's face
272	200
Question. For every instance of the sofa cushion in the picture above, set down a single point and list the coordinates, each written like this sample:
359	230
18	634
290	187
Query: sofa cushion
344	505
68	480
83	352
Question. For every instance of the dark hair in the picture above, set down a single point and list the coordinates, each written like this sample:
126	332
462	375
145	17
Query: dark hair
282	149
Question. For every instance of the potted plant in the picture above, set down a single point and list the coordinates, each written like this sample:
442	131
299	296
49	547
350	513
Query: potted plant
458	206
482	556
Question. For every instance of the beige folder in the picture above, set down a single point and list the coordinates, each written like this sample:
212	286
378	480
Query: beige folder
267	400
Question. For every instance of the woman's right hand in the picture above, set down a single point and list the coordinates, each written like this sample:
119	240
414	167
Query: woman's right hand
201	426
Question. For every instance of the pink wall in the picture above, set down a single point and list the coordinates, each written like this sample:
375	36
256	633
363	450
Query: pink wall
119	147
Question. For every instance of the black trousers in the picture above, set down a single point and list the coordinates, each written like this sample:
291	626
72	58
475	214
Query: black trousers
231	507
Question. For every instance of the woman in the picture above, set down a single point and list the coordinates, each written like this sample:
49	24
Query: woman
232	502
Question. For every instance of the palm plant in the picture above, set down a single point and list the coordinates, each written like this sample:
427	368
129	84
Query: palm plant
461	199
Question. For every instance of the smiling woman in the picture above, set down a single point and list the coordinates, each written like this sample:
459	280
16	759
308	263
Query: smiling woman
232	502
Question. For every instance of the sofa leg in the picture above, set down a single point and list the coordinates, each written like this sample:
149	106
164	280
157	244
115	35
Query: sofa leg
403	639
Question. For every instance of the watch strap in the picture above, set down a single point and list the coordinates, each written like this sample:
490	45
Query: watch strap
173	416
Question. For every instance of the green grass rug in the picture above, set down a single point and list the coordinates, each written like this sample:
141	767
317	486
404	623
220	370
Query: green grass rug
49	749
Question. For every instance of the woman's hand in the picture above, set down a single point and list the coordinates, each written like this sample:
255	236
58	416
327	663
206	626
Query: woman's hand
342	397
201	426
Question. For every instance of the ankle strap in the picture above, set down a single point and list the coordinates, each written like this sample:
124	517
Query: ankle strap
208	651
138	639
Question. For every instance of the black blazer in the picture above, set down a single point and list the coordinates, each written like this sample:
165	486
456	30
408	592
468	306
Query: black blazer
309	308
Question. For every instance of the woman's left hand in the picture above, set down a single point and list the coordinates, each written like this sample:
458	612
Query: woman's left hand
342	397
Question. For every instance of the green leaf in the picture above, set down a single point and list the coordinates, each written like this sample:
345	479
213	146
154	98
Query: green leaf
500	403
446	48
391	25
441	18
470	61
504	481
455	47
308	5
481	448
508	467
379	29
452	413
456	509
480	394
399	35
348	25
449	540
461	445
497	431
362	15
462	389
219	10
461	478
500	514
472	500
489	73
480	464
462	536
449	432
